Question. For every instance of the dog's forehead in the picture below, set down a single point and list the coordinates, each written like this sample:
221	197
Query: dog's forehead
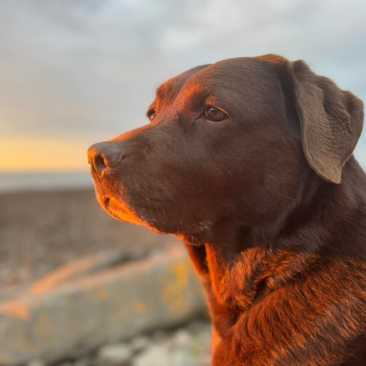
236	71
196	76
168	91
245	77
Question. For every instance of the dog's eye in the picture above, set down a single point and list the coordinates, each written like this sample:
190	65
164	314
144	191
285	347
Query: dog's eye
151	114
215	115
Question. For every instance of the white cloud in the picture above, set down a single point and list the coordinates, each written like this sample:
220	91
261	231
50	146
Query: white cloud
89	68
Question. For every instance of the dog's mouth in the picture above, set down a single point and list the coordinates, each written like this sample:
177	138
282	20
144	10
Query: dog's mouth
149	211
117	207
108	203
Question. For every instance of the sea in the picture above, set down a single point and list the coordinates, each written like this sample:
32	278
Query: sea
13	182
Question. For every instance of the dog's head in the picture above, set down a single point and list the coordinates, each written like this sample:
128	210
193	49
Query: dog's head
228	142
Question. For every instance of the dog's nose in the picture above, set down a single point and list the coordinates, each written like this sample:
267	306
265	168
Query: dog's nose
105	155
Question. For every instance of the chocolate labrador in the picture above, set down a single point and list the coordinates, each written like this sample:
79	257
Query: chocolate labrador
249	161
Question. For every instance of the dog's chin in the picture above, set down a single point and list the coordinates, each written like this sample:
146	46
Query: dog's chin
118	209
116	212
149	217
121	211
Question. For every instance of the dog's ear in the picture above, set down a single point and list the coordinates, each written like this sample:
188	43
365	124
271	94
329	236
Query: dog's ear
331	121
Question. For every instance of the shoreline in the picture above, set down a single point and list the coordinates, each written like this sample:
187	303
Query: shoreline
44	181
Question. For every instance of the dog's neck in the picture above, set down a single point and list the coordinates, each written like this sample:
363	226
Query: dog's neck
255	261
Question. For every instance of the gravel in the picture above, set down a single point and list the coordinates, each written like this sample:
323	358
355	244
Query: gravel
186	346
41	231
115	354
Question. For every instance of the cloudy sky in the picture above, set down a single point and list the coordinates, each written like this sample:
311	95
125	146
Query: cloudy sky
73	72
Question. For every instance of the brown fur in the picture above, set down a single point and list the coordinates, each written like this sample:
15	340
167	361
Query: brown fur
270	203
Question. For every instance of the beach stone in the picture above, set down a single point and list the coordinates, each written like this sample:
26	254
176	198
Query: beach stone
140	343
158	336
183	357
115	354
36	363
182	338
156	355
83	363
158	292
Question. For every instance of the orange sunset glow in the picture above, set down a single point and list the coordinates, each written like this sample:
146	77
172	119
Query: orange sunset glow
27	155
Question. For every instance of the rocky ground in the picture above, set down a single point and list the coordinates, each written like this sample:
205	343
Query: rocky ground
41	231
186	346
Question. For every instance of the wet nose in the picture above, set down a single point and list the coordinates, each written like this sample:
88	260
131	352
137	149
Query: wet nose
105	155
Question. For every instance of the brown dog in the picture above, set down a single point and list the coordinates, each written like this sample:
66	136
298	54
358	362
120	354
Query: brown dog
249	161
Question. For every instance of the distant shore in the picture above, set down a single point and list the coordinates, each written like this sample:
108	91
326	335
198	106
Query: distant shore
29	181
